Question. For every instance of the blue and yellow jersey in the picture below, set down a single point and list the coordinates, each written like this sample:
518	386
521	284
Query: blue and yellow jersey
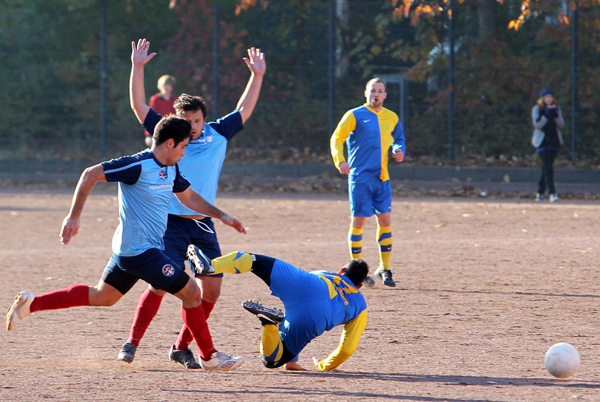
347	306
368	136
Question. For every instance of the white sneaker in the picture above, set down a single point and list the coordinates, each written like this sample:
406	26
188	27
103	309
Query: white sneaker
554	197
19	310
539	197
221	361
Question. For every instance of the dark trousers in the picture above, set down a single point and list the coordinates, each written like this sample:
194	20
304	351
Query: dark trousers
547	180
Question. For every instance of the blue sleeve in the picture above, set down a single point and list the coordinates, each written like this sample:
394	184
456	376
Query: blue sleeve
399	141
181	183
151	120
126	169
228	125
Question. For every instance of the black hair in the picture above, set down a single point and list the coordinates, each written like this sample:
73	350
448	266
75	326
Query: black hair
172	127
356	270
189	103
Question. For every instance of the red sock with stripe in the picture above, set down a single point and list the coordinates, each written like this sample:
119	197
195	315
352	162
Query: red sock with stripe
194	319
185	335
73	296
144	314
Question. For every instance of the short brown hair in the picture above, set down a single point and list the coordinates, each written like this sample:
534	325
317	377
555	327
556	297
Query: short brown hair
189	103
376	80
172	127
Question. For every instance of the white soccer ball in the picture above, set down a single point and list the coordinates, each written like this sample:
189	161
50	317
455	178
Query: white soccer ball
562	360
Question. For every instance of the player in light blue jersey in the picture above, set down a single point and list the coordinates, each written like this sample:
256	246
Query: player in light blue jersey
146	182
314	302
202	167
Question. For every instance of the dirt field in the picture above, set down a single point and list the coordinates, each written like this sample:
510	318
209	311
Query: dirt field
485	288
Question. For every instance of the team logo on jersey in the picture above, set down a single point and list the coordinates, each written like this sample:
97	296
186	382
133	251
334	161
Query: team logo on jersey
209	139
162	174
168	270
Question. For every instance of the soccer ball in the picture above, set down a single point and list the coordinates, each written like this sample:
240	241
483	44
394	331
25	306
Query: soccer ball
562	360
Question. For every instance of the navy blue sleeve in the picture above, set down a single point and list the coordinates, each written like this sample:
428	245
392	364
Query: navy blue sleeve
151	120
181	183
126	169
228	125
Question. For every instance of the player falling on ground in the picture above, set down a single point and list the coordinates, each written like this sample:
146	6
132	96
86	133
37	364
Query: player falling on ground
314	302
146	182
369	131
202	167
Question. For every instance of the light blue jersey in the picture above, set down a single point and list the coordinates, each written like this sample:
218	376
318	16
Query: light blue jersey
145	190
204	157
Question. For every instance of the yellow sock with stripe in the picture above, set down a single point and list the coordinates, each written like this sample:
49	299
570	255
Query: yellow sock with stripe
233	263
355	242
271	346
384	238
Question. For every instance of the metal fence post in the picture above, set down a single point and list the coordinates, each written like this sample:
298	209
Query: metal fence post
451	82
574	38
216	59
103	74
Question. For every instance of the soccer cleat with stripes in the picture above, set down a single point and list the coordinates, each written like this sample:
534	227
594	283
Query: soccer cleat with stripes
221	361
267	316
386	277
200	261
18	310
185	357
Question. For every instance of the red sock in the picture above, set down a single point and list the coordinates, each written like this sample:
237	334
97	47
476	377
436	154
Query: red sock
146	310
73	296
195	321
208	308
185	335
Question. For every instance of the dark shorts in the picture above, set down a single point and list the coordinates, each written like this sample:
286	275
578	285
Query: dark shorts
373	197
181	232
152	266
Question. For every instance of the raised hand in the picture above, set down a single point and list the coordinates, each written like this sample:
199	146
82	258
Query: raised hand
139	52
256	61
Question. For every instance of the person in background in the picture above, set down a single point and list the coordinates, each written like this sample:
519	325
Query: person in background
163	101
547	121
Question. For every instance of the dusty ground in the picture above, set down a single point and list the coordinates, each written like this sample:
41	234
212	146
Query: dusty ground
484	289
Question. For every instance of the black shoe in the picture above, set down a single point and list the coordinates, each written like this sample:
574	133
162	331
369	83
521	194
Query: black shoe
200	263
185	357
368	282
267	316
386	277
127	353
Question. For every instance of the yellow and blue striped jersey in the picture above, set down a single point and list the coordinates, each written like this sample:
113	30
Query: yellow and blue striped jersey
368	135
347	306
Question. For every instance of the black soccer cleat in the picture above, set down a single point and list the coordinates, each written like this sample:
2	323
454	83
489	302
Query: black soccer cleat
185	357
127	353
199	262
386	277
267	316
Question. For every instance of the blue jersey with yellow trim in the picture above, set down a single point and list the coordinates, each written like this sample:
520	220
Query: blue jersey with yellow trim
368	135
345	301
204	156
145	190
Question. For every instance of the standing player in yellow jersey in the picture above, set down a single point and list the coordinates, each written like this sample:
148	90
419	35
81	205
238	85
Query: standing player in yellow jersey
369	131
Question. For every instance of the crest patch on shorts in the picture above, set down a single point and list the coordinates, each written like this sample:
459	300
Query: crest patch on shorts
168	270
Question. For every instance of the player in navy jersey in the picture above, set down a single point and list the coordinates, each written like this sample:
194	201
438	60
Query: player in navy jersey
314	302
147	181
202	167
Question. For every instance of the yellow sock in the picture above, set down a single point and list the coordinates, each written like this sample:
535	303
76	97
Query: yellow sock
355	242
233	263
384	238
271	346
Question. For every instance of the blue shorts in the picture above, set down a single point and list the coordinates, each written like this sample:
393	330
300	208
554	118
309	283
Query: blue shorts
373	197
304	296
152	266
181	232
